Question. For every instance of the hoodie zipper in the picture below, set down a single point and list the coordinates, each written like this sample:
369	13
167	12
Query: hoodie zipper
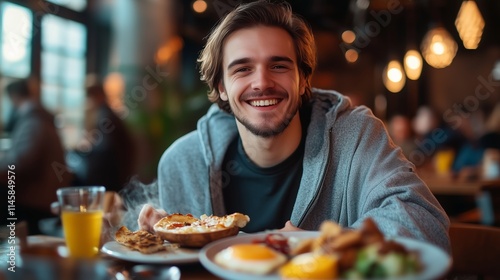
316	195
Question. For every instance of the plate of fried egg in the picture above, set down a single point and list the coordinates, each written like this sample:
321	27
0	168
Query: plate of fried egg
331	253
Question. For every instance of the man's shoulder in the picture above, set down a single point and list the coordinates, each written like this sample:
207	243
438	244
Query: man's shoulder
340	100
187	143
337	110
182	149
331	103
328	95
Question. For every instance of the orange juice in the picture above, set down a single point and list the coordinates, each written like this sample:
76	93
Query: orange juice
82	232
444	161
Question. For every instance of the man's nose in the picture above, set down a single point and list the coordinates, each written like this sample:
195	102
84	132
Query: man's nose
262	80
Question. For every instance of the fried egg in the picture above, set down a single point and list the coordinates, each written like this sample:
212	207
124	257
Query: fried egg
250	258
310	266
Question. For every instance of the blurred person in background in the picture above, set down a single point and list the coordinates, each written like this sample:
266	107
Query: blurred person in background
36	158
11	121
434	140
401	133
491	137
106	154
470	153
491	142
424	121
481	128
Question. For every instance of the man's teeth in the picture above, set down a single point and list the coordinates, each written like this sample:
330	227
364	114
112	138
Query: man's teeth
261	103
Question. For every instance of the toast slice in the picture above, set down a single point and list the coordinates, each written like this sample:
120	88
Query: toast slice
141	240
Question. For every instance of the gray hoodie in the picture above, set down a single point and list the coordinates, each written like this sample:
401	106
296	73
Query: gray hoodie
351	171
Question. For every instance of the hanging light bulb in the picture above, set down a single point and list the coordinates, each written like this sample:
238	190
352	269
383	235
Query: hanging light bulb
413	64
351	55
393	76
470	24
199	6
438	47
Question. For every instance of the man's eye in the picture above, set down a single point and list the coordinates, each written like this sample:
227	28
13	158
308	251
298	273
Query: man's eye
243	69
279	67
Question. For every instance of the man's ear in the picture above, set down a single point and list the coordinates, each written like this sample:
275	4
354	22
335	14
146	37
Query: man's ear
222	91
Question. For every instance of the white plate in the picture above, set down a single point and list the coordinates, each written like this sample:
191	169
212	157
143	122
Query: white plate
436	262
178	256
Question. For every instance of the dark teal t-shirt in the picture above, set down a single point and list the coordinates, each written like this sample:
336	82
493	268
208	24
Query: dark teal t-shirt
266	195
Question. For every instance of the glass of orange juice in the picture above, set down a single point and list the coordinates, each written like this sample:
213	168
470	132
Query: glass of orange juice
444	161
81	215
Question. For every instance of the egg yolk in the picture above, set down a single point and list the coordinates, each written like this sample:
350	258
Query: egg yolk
251	252
310	266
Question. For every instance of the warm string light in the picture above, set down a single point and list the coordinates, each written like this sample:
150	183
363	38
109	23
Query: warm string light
348	36
168	49
438	48
393	76
200	6
413	64
351	55
469	24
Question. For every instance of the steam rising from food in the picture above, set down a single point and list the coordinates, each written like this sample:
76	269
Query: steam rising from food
134	196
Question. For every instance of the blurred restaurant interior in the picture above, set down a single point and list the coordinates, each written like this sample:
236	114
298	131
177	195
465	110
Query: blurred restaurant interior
397	57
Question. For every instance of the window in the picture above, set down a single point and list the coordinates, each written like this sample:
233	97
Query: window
63	68
15	40
62	60
15	49
77	5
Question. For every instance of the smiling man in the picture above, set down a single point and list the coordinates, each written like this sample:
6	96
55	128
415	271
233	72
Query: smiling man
282	152
262	84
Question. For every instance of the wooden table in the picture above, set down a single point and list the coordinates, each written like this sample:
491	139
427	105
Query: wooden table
462	199
456	195
448	185
44	258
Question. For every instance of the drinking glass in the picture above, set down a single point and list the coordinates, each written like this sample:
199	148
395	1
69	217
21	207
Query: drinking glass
81	215
444	161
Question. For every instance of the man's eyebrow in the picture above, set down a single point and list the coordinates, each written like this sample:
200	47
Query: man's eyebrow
238	61
275	58
281	58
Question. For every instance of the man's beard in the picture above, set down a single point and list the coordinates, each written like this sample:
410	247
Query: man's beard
267	132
